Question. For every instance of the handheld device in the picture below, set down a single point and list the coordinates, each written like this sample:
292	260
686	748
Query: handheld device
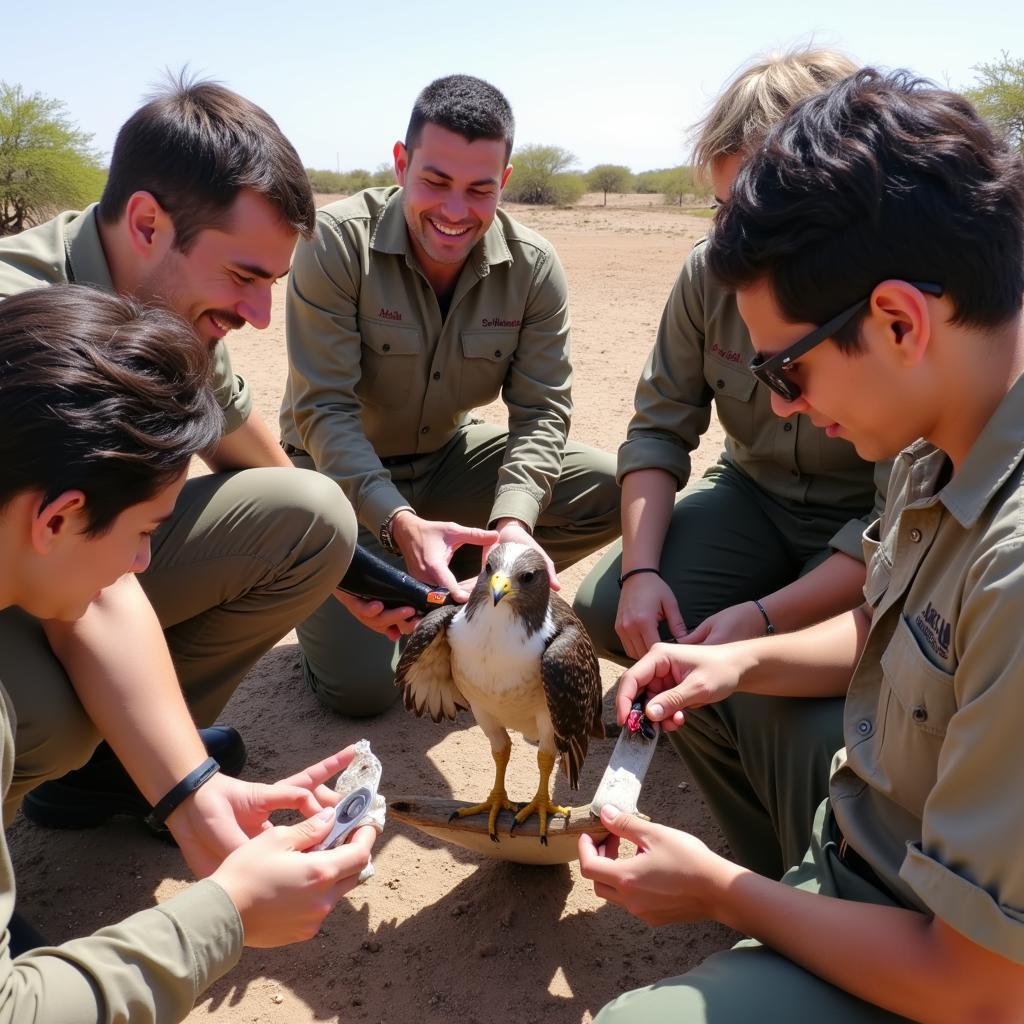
347	815
373	579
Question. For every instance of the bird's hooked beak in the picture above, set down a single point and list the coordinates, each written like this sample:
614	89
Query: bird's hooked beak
501	586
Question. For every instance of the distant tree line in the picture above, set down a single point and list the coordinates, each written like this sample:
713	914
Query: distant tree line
48	164
348	182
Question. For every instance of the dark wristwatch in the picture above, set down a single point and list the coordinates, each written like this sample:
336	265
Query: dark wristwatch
385	536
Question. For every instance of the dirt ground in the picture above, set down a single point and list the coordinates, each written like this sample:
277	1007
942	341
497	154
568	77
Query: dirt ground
439	934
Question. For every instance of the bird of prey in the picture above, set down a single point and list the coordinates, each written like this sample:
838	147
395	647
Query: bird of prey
516	656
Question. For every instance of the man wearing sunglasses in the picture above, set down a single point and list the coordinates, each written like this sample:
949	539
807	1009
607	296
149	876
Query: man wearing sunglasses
892	202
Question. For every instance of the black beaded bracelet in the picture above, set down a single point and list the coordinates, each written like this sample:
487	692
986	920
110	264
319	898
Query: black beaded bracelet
769	629
634	572
180	792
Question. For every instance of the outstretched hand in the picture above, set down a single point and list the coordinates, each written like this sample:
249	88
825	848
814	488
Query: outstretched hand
513	531
225	812
283	889
646	600
675	677
672	877
428	547
394	623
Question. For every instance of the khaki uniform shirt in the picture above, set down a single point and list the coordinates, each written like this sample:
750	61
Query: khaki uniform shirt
702	354
929	789
376	372
149	968
67	250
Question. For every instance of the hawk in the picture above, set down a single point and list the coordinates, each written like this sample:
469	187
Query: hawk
516	656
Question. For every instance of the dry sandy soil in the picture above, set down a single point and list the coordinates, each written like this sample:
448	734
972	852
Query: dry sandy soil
439	934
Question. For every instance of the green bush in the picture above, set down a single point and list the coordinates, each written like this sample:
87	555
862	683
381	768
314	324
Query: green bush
46	163
607	178
541	175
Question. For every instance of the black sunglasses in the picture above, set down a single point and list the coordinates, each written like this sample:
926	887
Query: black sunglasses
772	371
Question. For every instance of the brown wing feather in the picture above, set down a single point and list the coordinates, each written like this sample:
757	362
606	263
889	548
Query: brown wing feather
572	686
425	669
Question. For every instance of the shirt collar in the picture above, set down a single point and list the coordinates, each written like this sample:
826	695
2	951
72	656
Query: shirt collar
992	459
391	235
84	251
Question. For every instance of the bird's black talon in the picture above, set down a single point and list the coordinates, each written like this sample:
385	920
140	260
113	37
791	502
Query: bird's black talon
544	840
494	837
453	815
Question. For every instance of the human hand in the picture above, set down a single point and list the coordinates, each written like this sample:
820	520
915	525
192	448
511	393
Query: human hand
678	676
672	877
282	888
225	812
428	546
645	601
392	622
514	531
737	622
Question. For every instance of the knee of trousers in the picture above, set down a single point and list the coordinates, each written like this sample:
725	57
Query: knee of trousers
61	742
359	694
596	603
327	524
599	621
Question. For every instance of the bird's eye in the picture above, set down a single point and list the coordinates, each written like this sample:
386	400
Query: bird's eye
527	577
488	569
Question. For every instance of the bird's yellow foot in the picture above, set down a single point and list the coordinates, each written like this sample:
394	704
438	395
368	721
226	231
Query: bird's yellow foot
495	803
542	806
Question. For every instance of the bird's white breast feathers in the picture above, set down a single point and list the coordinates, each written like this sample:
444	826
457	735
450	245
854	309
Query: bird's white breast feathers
497	666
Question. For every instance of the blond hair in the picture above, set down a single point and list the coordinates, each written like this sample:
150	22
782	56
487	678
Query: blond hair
759	96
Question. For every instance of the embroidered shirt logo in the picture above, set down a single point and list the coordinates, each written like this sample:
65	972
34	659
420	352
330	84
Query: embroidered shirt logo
723	353
498	322
389	314
935	630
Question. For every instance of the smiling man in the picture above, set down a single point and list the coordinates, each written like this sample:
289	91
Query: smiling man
876	245
203	204
410	307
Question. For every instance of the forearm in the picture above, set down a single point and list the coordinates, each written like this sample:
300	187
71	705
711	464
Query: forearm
835	586
813	662
898	959
250	446
647	501
119	665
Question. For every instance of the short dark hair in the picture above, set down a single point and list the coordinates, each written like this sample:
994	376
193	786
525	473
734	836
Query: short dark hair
468	106
195	145
101	394
881	176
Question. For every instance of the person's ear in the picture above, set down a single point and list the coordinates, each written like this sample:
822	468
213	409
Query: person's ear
900	314
401	156
55	521
506	175
149	227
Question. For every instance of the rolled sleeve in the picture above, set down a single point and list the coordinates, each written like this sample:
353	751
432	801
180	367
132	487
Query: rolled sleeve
672	401
849	538
324	352
967	867
537	394
231	391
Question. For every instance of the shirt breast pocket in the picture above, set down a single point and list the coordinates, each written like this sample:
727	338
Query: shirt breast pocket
916	703
733	387
390	361
486	356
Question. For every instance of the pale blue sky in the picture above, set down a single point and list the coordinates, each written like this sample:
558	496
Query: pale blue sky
617	83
